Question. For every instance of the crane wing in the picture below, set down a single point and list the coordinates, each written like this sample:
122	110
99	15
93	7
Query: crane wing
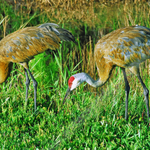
125	46
24	44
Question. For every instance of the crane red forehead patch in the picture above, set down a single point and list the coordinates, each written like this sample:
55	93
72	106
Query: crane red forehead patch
70	81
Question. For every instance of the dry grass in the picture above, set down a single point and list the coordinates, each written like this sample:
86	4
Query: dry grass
89	12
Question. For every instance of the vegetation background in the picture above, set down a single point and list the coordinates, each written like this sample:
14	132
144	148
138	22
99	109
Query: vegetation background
90	118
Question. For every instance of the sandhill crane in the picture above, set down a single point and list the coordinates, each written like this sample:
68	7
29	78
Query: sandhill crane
125	47
22	45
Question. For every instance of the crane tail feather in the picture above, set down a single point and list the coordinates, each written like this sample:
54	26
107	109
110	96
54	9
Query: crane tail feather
48	24
63	34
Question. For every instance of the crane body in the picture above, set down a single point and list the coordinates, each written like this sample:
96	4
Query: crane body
22	45
127	48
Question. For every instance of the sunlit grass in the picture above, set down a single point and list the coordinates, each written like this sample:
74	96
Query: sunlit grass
86	120
90	118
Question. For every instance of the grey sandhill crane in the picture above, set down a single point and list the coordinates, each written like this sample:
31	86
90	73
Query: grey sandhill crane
22	45
125	47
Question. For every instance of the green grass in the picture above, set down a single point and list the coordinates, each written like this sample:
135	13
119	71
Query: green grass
86	120
90	119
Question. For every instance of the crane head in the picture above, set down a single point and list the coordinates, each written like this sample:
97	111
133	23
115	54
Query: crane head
73	82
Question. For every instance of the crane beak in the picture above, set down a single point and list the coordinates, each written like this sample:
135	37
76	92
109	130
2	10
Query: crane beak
67	93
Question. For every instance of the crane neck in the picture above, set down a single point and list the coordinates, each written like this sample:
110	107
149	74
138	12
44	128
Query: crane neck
84	77
92	82
5	68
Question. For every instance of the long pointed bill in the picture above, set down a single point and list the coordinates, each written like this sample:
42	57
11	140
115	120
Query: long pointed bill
67	93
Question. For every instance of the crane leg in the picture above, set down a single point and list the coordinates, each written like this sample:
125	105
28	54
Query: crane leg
146	94
135	70
127	89
35	88
27	84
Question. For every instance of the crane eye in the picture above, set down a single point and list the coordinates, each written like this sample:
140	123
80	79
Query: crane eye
70	81
70	84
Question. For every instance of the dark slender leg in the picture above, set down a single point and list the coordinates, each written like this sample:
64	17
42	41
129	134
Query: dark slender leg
146	94
27	84
35	88
127	89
